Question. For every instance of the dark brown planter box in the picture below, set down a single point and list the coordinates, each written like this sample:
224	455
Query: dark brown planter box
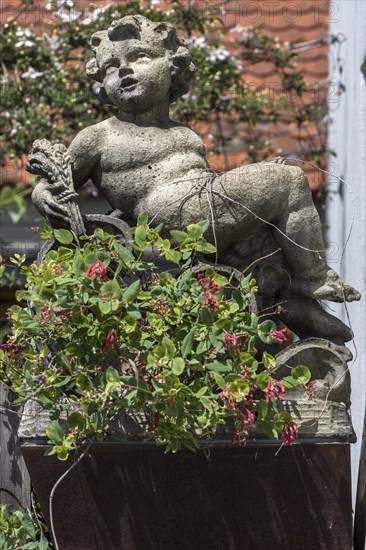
134	497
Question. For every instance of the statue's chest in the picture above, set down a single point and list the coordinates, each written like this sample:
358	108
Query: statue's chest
132	151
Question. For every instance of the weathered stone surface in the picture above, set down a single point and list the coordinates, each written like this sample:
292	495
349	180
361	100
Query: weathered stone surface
327	363
316	418
262	215
141	160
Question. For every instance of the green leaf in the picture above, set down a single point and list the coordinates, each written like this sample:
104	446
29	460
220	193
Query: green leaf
83	383
140	236
217	367
204	225
264	330
131	293
205	247
169	347
206	316
78	263
301	373
28	378
262	409
268	360
187	343
173	256
179	236
219	381
43	543
95	421
111	289
64	254
269	429
45	231
75	420
142	219
178	365
195	231
55	433
290	383
64	236
105	307
62	452
123	252
112	375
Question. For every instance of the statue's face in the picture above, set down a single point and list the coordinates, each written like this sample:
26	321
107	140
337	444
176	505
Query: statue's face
137	74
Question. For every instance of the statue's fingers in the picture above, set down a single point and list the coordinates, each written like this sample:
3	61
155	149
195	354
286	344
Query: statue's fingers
54	215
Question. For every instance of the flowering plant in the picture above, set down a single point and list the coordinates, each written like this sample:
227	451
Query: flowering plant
106	333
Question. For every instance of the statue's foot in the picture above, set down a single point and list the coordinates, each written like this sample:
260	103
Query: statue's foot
331	288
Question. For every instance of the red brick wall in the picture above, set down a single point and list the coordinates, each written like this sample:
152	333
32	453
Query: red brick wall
303	23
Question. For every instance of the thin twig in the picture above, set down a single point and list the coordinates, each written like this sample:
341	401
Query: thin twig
54	489
262	258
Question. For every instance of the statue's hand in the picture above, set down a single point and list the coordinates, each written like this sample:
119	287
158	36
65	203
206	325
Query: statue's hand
49	204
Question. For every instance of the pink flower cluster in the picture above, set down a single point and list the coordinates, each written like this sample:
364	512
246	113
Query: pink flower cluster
110	341
275	389
230	340
154	421
97	270
310	389
225	395
10	348
210	289
45	315
248	419
161	309
278	335
239	438
290	432
57	270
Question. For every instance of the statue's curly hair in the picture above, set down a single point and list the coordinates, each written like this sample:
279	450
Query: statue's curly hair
133	26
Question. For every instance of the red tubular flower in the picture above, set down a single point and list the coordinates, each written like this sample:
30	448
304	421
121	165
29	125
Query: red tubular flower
278	335
10	348
290	432
275	389
225	395
210	301
230	340
239	438
154	421
208	284
44	315
248	420
110	341
97	270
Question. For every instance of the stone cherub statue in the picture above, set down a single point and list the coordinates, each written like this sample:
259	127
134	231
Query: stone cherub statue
141	160
262	215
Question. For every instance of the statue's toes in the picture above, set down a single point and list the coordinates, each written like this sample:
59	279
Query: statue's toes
339	292
351	294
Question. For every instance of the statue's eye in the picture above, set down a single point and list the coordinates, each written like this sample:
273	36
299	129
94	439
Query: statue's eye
143	55
109	68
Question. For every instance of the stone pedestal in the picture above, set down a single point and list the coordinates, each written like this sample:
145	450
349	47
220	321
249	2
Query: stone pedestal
132	496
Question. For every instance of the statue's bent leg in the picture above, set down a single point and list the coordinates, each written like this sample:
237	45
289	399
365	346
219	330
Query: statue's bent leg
276	197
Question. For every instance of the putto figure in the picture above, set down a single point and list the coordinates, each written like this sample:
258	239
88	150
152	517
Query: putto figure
141	160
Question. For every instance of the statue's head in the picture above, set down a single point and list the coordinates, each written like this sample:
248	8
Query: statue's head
139	60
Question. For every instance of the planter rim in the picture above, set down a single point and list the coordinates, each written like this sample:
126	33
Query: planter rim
41	442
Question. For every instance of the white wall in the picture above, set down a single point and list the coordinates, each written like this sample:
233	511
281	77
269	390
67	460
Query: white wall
347	135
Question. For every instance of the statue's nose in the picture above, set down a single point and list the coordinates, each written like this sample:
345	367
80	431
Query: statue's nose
124	70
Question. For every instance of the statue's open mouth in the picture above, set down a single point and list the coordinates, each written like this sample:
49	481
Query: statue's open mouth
128	83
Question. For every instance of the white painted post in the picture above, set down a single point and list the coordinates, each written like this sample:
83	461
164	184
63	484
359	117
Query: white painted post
347	135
